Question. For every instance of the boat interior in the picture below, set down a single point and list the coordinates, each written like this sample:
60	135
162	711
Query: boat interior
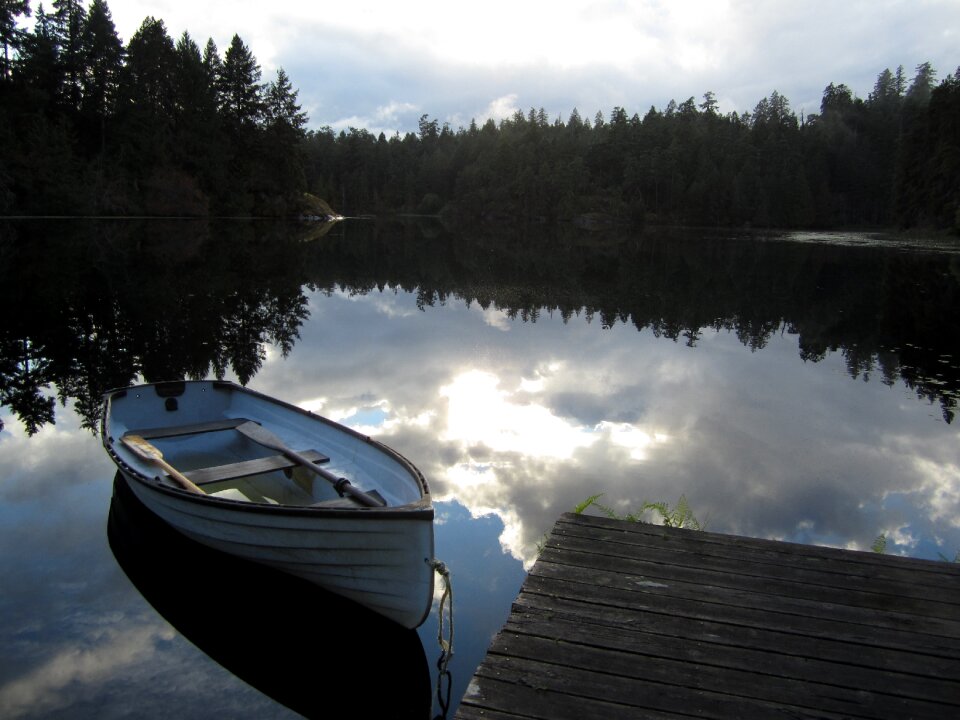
251	477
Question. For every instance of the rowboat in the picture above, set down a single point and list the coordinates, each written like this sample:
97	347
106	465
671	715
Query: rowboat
264	480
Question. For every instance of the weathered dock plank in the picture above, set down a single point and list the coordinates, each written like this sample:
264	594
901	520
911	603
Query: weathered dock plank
619	620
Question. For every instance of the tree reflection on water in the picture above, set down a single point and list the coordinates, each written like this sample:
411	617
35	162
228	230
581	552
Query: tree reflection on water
93	305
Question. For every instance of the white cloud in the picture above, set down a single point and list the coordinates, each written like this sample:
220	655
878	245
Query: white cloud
379	65
634	439
500	108
941	481
61	451
496	319
480	413
386	119
51	686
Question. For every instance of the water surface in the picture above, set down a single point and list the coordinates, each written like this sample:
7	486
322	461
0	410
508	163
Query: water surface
792	387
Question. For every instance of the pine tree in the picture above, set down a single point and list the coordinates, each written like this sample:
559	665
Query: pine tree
709	104
213	67
942	184
280	106
886	93
913	157
11	36
195	111
38	66
102	52
150	69
922	85
146	118
68	21
240	98
284	122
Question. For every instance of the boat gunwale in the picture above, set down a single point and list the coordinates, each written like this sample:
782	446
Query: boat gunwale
421	509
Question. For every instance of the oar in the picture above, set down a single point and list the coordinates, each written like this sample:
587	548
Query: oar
262	436
149	452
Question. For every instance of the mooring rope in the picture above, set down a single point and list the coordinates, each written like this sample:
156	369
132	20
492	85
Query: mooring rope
443	572
446	644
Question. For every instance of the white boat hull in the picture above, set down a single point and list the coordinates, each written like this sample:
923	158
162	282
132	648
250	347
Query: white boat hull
378	557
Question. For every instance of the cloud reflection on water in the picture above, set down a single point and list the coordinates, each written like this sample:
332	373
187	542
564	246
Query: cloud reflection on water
59	682
480	413
514	423
527	423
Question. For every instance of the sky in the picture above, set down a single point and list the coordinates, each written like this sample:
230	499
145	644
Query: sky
380	65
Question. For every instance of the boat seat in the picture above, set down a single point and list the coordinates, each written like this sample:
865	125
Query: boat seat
230	471
233	471
196	429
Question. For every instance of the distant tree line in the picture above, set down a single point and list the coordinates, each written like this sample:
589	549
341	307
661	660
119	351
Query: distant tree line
89	125
892	159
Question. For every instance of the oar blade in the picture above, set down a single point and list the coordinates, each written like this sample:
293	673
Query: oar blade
262	436
142	447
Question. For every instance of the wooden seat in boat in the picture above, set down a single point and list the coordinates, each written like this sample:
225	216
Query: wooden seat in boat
233	471
229	471
195	429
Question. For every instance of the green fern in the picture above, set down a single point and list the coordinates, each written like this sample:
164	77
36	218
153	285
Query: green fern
880	544
680	516
592	500
542	543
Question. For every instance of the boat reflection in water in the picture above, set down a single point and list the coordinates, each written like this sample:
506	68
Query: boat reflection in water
312	649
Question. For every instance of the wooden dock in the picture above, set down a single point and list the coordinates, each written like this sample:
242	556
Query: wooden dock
627	620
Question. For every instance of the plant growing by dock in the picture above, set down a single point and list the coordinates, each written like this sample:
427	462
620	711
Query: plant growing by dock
678	516
880	546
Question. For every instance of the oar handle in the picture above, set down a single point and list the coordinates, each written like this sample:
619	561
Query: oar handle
184	481
341	484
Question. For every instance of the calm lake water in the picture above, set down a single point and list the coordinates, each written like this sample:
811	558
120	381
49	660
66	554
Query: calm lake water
792	386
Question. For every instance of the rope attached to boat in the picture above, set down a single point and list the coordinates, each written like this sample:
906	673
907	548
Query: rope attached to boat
444	573
446	644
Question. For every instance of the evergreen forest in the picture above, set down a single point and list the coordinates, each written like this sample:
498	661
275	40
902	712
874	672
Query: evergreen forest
92	126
